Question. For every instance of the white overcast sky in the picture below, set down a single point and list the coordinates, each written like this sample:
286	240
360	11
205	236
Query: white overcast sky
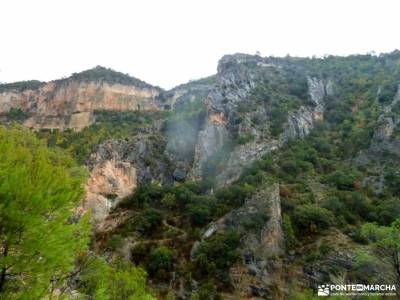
168	42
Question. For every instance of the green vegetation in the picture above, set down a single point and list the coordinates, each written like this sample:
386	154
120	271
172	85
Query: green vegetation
38	189
100	73
160	262
16	114
244	139
190	200
108	125
322	187
42	241
184	209
280	94
21	86
214	256
104	281
149	221
309	218
386	243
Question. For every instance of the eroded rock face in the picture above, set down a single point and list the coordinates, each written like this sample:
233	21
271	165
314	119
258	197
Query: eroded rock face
71	103
109	182
259	270
301	121
385	142
117	167
237	77
233	83
210	140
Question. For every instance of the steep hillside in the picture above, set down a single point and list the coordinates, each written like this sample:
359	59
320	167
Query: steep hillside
286	153
259	182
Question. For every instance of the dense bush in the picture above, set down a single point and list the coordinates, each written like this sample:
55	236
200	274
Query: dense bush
343	180
149	221
386	211
17	114
387	93
213	257
199	213
160	262
350	207
310	218
118	280
392	179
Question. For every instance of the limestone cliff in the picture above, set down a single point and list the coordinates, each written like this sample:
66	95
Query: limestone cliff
259	271
71	102
117	167
238	116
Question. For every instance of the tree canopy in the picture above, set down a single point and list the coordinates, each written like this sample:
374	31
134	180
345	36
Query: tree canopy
39	190
42	241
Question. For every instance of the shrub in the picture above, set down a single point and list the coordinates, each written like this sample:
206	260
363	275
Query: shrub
207	291
342	180
234	195
144	194
387	211
149	221
160	261
392	179
216	255
290	239
244	139
199	214
115	242
310	218
17	114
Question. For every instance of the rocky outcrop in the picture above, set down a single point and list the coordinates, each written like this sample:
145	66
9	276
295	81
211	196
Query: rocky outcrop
187	119
210	140
70	103
238	76
233	84
109	182
189	93
117	167
259	271
301	121
385	143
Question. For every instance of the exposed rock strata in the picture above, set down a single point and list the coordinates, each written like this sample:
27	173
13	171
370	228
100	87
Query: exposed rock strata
259	271
71	103
117	167
237	76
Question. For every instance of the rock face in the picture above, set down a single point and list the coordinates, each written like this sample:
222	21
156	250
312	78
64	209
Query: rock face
301	121
70	103
117	167
259	271
210	140
384	149
183	133
109	182
233	111
385	141
189	93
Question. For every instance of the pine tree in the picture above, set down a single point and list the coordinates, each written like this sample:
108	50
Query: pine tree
39	237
